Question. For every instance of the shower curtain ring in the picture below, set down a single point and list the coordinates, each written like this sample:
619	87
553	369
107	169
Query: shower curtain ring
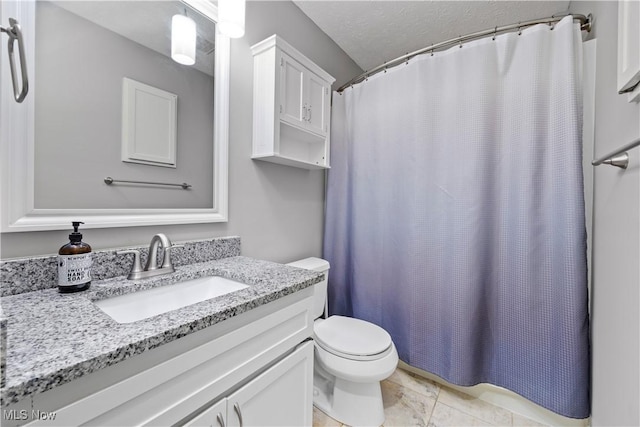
519	29
460	37
431	49
495	31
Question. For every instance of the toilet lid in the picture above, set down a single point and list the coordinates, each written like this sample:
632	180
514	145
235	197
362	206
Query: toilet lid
351	336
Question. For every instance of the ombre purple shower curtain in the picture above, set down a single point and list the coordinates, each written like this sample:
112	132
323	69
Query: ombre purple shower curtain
455	214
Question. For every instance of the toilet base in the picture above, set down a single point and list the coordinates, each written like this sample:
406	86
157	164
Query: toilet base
351	403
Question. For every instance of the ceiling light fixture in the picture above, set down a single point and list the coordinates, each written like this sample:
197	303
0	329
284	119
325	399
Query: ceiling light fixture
231	14
183	40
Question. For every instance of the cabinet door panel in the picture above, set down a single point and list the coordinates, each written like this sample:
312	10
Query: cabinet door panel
317	98
281	396
212	417
293	108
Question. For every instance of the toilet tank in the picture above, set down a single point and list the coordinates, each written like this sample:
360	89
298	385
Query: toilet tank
320	289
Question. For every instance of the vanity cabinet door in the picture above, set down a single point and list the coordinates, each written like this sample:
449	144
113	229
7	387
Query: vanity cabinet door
215	416
280	396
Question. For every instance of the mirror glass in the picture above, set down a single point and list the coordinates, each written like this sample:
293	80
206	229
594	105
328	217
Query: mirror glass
85	51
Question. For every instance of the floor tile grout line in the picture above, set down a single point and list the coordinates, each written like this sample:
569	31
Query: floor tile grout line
434	403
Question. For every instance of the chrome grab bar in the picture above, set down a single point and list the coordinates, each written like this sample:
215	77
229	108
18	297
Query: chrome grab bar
15	33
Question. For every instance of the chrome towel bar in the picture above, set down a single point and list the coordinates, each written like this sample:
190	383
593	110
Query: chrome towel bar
619	157
108	180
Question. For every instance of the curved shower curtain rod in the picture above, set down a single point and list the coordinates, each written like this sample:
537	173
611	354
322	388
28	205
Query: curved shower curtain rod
585	25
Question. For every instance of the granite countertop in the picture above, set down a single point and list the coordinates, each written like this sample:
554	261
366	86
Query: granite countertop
54	338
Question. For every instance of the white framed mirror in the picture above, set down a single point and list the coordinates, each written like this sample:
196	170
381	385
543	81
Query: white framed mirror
29	205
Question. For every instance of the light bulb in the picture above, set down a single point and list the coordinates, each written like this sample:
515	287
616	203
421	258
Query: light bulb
183	40
231	14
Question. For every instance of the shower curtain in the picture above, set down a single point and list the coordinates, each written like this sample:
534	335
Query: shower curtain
455	213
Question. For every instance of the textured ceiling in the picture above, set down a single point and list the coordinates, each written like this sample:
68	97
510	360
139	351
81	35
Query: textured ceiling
372	32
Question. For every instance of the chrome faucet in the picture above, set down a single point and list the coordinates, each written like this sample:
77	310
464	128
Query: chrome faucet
151	268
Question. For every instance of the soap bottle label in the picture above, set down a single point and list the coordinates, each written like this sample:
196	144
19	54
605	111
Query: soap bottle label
74	269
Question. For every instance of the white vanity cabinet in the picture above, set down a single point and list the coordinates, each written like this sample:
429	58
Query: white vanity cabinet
260	362
277	397
291	106
214	416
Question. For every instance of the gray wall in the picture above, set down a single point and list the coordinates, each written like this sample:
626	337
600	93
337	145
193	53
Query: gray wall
276	210
616	238
78	119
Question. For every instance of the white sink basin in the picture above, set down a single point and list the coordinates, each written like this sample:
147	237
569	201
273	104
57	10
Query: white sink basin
151	302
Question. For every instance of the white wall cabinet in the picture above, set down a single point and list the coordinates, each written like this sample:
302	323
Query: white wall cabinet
278	397
629	49
304	97
261	361
291	106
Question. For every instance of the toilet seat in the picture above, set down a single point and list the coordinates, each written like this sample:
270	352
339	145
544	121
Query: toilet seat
352	339
359	371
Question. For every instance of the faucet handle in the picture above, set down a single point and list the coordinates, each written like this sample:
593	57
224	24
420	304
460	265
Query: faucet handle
166	259
136	267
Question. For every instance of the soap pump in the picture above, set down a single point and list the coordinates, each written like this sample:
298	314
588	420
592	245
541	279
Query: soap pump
74	263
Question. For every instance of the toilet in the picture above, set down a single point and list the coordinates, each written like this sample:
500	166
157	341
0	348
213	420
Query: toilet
351	358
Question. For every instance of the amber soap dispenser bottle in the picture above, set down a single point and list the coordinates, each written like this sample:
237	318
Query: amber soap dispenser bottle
74	263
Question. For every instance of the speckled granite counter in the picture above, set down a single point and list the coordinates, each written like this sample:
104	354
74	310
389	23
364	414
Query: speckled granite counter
54	338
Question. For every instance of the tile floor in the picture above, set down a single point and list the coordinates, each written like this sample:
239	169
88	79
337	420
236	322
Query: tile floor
410	400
